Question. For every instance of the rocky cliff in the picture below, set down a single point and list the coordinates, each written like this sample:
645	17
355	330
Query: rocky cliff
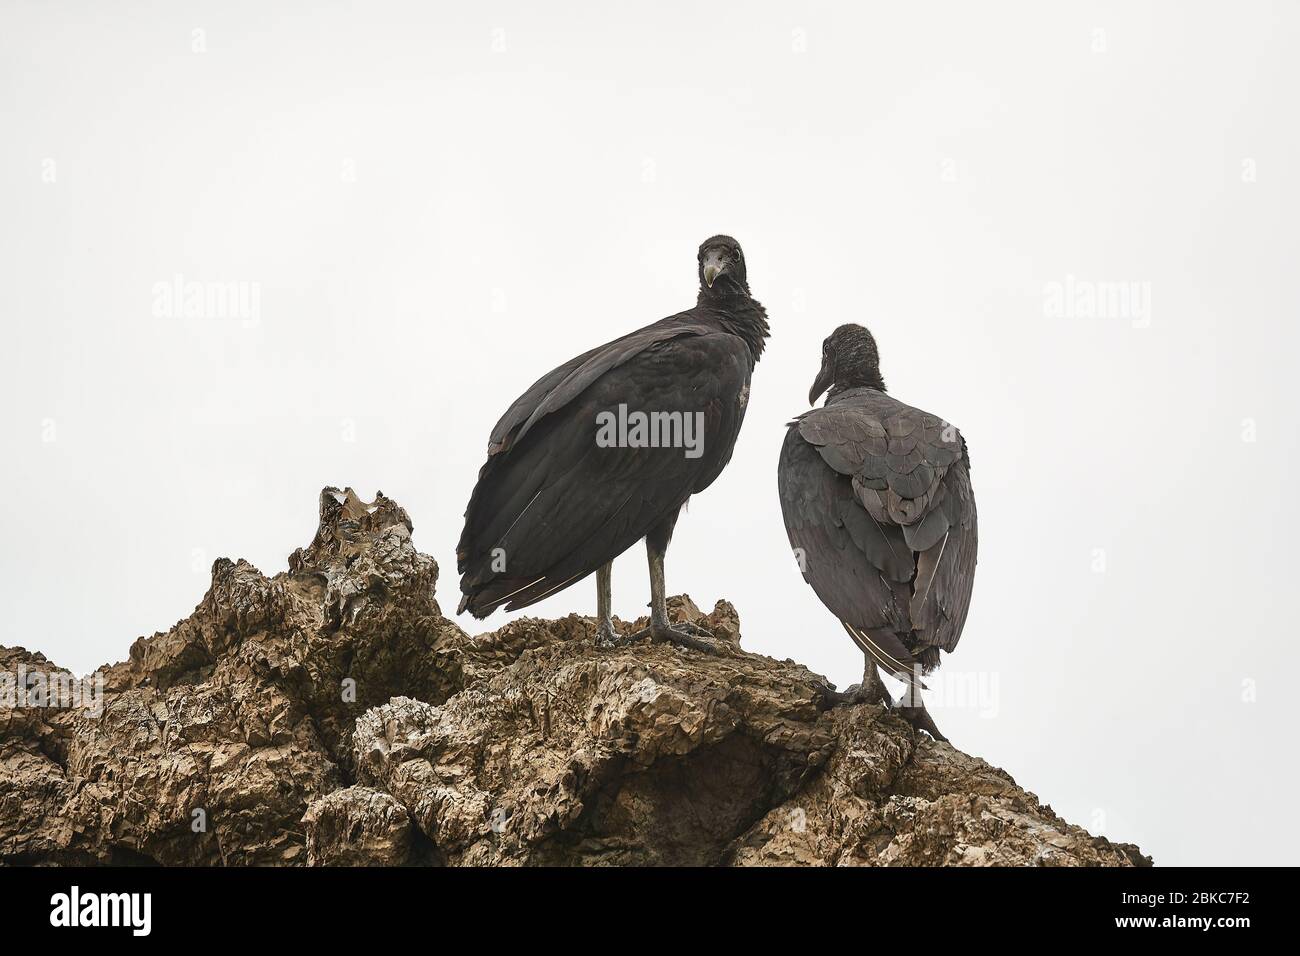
332	715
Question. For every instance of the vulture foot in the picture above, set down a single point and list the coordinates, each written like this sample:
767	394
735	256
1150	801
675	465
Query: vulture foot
867	693
683	635
920	719
606	636
859	694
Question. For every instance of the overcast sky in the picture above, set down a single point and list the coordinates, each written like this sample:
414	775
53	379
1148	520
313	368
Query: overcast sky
1070	227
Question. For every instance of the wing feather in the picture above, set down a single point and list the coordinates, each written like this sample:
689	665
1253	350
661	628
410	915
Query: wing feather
893	540
551	505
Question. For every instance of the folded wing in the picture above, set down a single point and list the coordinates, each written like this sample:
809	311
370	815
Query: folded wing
877	495
552	505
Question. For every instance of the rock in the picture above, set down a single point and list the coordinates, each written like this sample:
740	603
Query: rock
330	715
357	826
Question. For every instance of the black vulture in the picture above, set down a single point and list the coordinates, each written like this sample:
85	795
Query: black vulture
878	505
604	451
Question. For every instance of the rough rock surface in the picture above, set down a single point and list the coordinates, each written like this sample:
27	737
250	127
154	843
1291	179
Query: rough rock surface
357	826
330	715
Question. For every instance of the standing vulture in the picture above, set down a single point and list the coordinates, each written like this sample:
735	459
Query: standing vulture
878	505
604	451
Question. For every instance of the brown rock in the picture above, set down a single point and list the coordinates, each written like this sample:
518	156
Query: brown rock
331	715
357	826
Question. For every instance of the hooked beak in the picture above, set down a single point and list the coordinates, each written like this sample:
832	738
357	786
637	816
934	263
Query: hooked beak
714	266
825	378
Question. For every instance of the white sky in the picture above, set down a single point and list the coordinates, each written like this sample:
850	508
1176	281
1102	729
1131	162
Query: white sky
437	207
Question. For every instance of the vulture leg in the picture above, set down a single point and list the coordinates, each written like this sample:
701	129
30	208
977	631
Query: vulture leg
912	708
605	634
872	690
660	629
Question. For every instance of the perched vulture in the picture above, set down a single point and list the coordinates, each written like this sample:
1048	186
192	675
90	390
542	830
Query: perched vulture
878	505
604	451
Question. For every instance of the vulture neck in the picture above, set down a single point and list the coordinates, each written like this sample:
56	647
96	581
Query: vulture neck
868	380
738	313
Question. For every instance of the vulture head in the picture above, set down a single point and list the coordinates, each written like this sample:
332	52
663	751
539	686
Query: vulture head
722	266
849	360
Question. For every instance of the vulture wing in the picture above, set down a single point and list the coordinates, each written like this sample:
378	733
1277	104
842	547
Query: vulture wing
552	505
560	385
878	495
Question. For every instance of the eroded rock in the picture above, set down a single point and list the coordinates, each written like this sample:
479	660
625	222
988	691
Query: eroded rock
331	715
357	826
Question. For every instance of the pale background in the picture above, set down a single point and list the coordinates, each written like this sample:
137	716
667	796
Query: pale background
438	206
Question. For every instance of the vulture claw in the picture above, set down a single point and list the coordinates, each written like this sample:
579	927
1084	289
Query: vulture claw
683	635
865	693
694	629
858	694
920	719
606	636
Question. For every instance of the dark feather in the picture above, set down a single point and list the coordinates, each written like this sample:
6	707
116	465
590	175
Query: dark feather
552	504
876	496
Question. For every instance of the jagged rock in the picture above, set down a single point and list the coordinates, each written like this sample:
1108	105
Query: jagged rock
357	826
331	715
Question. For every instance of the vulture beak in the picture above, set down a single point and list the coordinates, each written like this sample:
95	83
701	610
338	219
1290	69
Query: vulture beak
714	265
825	378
